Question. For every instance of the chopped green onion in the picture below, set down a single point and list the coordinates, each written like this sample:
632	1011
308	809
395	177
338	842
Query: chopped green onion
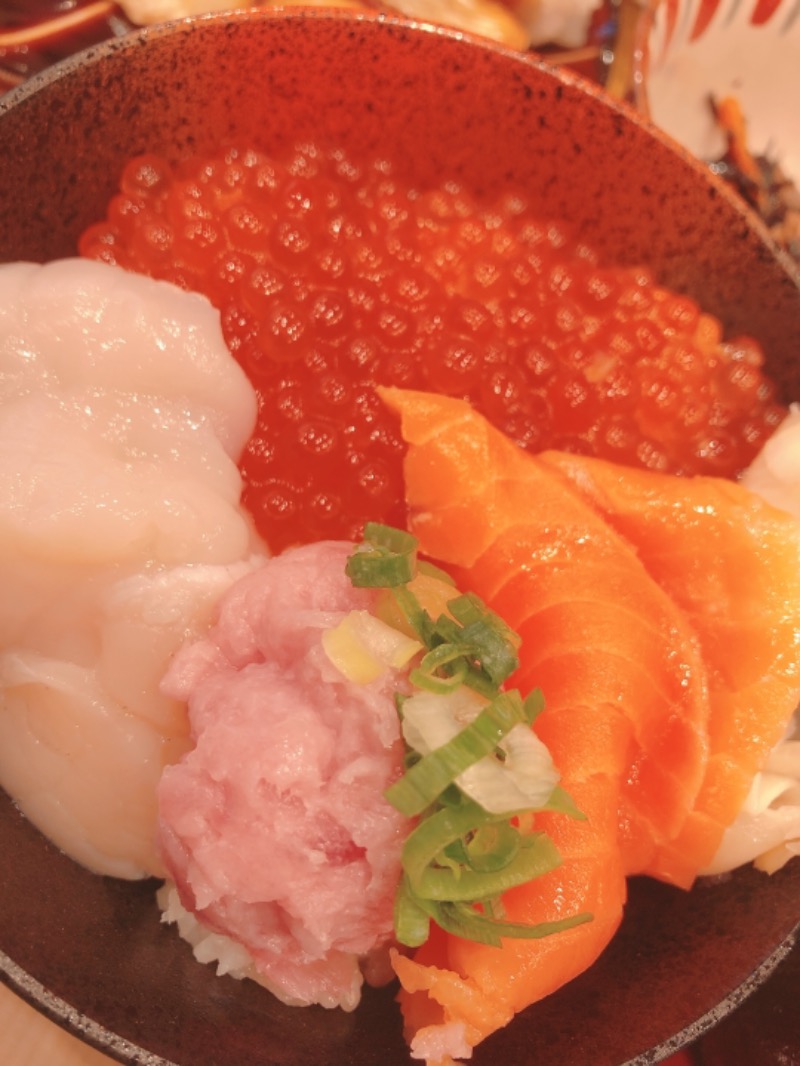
492	847
411	920
494	642
387	558
422	783
534	705
463	920
535	855
414	613
428	675
563	803
397	541
451	797
461	857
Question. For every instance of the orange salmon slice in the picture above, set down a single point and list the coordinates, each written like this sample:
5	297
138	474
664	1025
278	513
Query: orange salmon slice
731	562
596	628
519	535
661	618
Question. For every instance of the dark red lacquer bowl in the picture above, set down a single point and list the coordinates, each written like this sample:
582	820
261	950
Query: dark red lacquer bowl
90	951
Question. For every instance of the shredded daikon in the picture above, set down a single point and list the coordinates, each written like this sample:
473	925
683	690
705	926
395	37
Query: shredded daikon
767	830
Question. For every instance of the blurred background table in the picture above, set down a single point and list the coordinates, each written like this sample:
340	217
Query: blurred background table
27	1038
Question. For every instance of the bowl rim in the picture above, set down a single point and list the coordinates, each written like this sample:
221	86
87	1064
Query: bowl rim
635	111
96	1035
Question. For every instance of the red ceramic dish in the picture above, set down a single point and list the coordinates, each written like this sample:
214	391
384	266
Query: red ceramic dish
91	952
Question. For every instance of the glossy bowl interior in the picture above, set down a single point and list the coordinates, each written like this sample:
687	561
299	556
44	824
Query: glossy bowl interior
438	102
90	951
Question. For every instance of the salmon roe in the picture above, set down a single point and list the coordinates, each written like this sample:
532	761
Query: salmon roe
332	276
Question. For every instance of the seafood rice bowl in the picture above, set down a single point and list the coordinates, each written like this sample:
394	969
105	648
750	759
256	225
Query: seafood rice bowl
401	553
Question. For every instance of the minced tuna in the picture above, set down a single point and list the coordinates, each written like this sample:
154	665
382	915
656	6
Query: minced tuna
272	827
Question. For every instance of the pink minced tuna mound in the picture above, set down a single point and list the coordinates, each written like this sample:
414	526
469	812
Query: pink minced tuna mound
273	827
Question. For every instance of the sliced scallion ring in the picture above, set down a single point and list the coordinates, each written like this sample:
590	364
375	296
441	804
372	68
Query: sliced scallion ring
463	920
491	847
411	920
461	858
441	670
494	642
387	558
534	855
419	787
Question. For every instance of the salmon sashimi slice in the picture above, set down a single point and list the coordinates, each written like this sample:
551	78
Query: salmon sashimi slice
450	981
595	626
732	563
625	689
475	988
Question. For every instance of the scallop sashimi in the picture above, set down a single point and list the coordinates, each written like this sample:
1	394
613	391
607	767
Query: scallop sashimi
775	471
122	415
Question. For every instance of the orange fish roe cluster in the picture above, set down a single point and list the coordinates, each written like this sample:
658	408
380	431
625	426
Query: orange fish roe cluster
332	276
